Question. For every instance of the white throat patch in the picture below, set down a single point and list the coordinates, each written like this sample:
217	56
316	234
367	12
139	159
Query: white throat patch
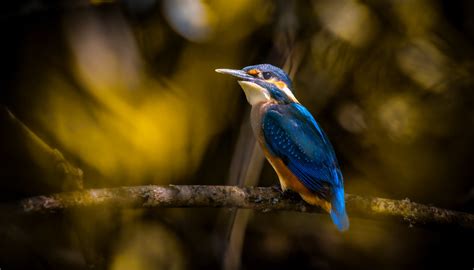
254	92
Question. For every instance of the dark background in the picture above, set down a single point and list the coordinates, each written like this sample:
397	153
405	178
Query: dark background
126	90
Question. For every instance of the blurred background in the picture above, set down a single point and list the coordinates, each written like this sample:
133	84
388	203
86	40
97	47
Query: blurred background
126	91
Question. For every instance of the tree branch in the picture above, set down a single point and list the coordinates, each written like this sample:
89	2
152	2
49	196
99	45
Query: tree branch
258	198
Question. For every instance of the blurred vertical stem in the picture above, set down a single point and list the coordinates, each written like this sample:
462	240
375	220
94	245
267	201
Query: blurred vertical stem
246	166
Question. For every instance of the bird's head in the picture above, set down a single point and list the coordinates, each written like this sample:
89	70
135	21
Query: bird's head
263	83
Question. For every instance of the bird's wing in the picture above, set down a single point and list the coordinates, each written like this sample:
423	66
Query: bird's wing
292	134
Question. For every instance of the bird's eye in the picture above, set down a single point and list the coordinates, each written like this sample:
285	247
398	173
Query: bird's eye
267	75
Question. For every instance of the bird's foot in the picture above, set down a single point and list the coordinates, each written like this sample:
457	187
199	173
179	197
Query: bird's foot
290	194
287	193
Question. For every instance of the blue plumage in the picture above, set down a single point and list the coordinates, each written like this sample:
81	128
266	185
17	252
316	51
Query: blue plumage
292	134
293	137
297	142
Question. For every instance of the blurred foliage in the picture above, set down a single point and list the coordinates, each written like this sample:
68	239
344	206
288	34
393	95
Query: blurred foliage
126	90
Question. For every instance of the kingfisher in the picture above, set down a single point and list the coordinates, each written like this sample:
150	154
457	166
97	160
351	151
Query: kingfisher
292	141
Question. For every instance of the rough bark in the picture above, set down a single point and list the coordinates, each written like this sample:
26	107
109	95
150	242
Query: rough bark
258	198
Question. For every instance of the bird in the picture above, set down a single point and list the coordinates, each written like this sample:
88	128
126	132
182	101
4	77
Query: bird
292	141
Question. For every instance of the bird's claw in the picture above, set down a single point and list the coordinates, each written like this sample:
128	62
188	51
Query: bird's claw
287	193
290	194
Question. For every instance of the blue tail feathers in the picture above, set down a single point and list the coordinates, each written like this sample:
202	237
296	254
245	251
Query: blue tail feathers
338	211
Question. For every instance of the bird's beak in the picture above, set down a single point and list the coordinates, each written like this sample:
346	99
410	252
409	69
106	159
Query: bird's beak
253	92
235	72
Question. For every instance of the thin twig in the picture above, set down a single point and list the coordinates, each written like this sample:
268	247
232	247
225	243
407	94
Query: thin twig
52	158
257	198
